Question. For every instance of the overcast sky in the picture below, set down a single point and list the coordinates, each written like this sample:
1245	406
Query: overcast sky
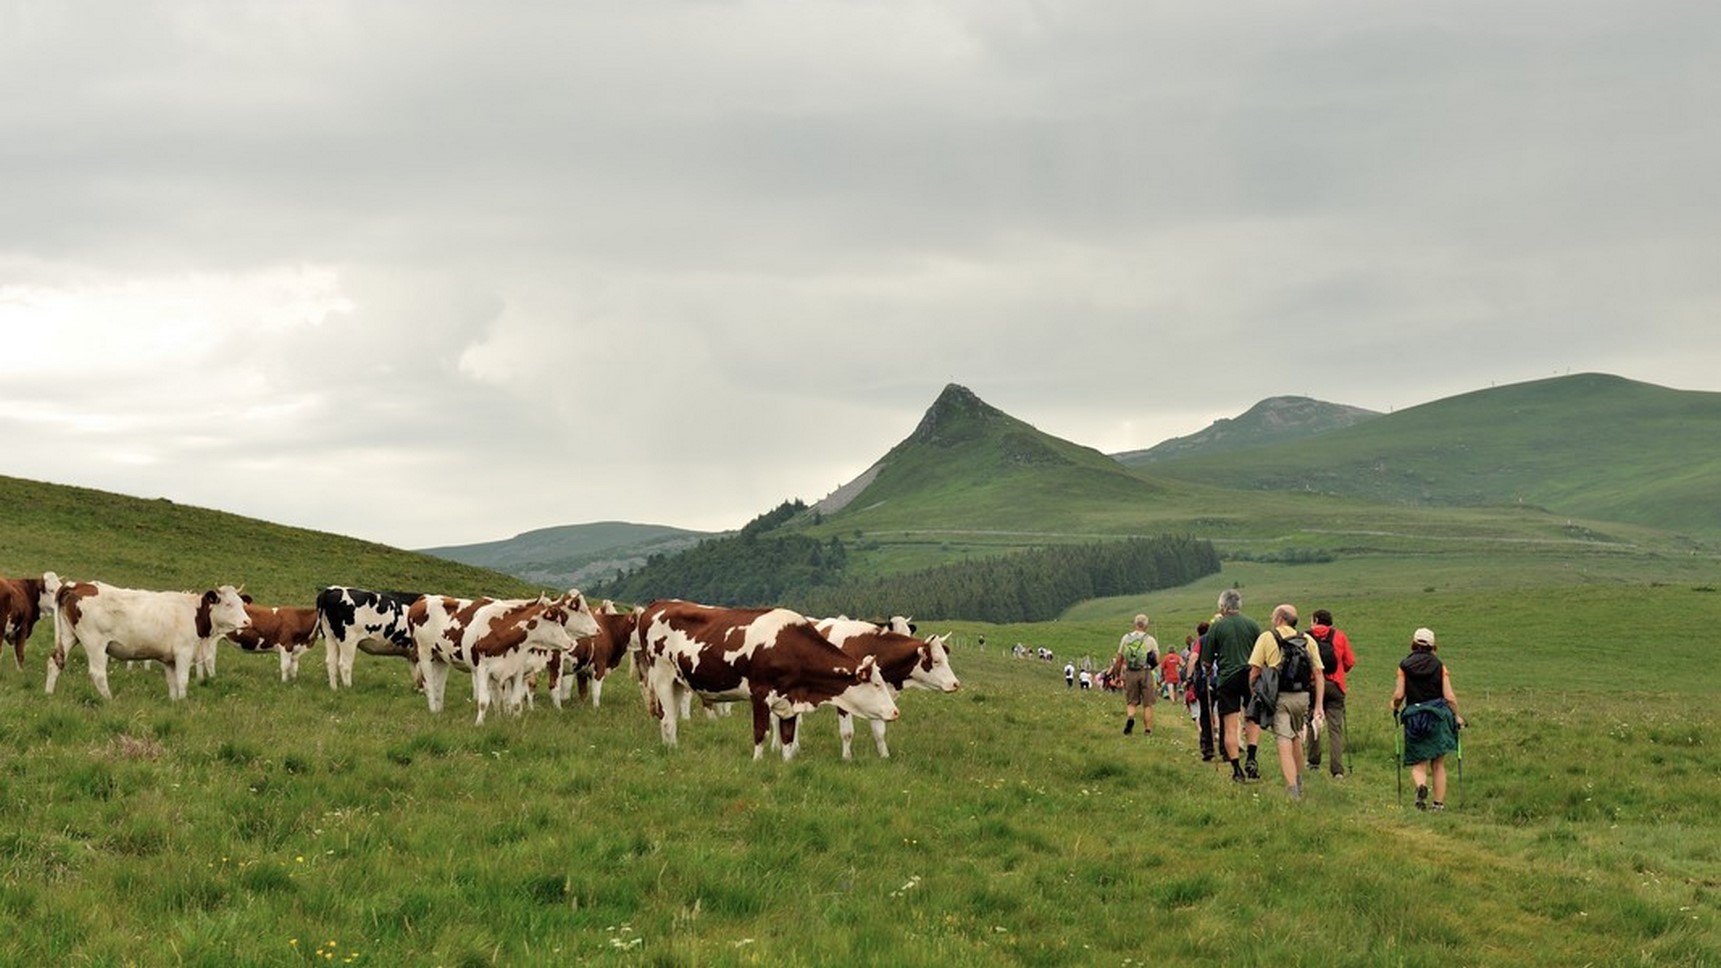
435	273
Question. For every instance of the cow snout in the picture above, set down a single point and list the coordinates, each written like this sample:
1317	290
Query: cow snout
955	684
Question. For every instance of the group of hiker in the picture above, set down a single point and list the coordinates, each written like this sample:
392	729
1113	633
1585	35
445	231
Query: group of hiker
1239	680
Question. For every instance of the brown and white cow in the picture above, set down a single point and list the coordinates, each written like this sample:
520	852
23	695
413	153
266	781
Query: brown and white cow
23	602
906	662
774	658
287	631
128	623
595	655
499	641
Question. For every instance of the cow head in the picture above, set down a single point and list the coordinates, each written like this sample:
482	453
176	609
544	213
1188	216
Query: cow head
220	611
932	669
867	695
575	616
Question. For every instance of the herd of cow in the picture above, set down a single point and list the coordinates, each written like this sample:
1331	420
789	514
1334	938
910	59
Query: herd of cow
779	661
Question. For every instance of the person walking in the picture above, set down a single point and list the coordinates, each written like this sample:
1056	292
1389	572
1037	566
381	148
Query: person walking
1337	659
1230	639
1427	710
1201	682
1069	675
1137	655
1170	665
1286	650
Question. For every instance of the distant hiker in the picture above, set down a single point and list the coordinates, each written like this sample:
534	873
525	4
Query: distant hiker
1230	640
1087	679
1069	675
1137	656
1284	652
1336	660
1168	674
1427	711
1201	686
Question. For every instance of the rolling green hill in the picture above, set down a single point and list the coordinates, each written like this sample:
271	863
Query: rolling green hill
1588	446
1275	420
575	554
88	534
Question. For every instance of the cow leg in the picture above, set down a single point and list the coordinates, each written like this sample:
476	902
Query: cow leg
56	665
582	680
761	726
286	655
776	725
332	658
481	690
878	728
788	729
597	690
99	670
435	676
846	730
663	688
18	648
179	676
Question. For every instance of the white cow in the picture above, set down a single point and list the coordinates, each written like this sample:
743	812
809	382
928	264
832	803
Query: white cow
126	623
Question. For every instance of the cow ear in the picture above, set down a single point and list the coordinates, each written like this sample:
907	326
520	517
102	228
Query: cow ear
211	596
246	599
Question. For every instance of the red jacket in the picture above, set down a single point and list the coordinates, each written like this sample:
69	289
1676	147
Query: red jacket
1341	649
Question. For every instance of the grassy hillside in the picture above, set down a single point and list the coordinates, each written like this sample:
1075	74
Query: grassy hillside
86	534
258	823
1588	446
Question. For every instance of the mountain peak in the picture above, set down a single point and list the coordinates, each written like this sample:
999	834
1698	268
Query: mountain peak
955	416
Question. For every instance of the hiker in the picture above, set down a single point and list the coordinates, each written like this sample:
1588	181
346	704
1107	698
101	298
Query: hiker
1169	666
1336	660
1137	655
1229	641
1427	711
1201	684
1298	667
1087	679
1069	675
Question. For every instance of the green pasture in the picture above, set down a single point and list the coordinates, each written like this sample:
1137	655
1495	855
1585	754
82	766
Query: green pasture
263	823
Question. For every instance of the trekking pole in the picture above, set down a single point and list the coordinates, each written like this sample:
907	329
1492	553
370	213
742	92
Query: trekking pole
1398	755
1460	735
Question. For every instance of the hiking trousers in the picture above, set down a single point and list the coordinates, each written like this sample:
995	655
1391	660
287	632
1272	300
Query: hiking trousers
1332	734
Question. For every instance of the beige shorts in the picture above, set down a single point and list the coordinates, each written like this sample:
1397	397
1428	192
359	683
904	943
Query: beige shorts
1292	716
1136	688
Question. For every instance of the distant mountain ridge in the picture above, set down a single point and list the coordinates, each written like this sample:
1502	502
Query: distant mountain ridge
573	555
1588	445
1275	420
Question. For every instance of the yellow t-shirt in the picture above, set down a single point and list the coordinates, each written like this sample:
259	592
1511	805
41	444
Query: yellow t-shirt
1266	651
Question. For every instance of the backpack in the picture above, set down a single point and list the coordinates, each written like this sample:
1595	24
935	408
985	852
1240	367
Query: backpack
1138	656
1296	672
1329	655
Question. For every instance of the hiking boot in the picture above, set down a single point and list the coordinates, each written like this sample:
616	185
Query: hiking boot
1294	791
1128	727
1238	778
1251	771
1207	757
1338	776
1437	805
1422	797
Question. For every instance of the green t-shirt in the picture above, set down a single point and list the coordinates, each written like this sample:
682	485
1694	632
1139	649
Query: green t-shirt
1229	641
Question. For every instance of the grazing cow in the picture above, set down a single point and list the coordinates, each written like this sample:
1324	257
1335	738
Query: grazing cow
23	602
905	662
773	658
591	661
355	619
289	632
125	623
499	642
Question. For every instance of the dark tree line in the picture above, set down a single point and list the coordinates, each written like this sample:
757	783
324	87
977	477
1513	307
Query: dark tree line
1028	586
756	568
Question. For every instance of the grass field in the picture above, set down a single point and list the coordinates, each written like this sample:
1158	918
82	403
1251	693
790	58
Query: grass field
270	824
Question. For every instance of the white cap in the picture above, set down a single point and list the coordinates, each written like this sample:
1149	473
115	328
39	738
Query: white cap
1423	636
